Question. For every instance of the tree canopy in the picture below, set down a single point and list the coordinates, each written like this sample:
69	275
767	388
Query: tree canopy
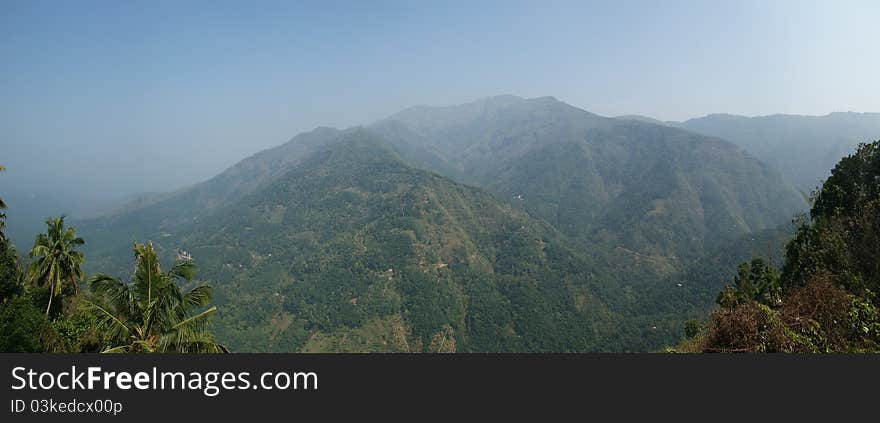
151	313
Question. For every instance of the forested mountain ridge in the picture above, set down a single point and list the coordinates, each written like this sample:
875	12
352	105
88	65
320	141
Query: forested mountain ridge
659	191
642	187
352	249
161	215
576	242
646	188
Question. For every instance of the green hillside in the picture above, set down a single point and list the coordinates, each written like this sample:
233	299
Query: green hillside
550	229
354	249
161	216
630	188
660	192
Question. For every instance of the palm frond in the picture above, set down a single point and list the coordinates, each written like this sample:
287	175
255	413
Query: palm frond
117	293
197	319
197	297
117	350
183	269
108	322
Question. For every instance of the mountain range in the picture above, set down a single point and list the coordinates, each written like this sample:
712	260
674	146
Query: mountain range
505	224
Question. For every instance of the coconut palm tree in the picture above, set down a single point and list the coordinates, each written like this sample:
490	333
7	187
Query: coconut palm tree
56	260
151	313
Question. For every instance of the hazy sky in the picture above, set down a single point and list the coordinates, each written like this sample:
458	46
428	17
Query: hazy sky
118	97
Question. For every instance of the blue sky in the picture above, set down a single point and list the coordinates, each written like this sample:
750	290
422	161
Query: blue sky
148	96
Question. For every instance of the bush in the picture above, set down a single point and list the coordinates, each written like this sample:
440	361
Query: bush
21	326
746	327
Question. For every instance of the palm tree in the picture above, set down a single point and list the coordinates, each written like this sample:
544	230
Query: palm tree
152	313
56	259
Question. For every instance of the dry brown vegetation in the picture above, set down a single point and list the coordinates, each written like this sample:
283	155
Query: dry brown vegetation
814	318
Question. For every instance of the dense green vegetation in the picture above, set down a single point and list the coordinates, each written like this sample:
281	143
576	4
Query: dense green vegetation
620	189
112	317
824	299
20	318
354	237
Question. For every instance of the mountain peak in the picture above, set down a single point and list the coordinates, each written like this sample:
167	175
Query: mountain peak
428	118
640	118
502	98
544	99
438	116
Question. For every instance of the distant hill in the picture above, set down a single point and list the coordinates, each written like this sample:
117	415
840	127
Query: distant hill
802	148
